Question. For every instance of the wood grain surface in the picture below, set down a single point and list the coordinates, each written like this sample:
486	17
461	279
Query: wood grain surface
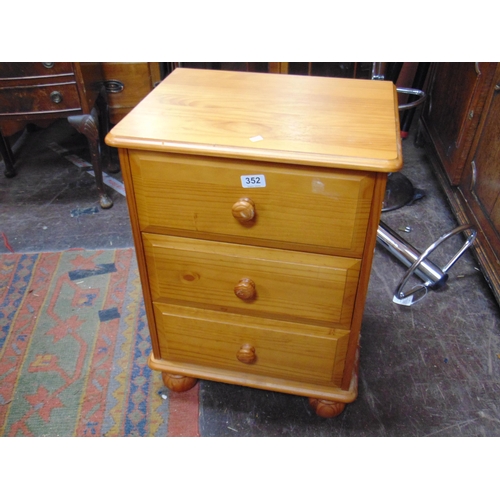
333	122
302	353
325	210
288	284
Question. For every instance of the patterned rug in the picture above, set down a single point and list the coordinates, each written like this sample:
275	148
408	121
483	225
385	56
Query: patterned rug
74	344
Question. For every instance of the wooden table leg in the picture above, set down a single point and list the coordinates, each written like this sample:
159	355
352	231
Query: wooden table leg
8	156
104	127
88	125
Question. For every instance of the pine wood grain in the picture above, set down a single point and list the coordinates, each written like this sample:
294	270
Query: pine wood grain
333	122
302	353
326	210
288	284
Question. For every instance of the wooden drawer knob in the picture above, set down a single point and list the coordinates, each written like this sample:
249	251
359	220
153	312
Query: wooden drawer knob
246	354
245	289
244	210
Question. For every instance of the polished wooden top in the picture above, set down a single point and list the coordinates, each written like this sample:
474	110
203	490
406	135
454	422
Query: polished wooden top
305	120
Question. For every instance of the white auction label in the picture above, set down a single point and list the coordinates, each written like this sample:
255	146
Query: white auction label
253	181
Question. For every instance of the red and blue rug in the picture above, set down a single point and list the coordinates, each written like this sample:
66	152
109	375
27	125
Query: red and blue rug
74	344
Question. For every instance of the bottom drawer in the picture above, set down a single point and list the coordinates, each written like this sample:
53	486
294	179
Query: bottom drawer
291	351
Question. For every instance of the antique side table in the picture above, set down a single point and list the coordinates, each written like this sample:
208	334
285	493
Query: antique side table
41	92
254	202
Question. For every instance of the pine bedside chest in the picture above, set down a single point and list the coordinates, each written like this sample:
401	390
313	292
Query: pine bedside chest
254	202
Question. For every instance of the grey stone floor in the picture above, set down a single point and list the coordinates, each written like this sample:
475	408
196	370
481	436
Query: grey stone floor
52	204
432	369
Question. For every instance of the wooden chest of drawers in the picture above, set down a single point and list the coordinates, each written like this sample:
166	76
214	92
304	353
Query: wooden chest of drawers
254	201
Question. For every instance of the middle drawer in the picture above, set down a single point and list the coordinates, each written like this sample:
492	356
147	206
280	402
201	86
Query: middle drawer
39	99
252	280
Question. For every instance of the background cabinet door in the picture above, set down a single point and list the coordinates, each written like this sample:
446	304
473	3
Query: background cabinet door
462	129
457	92
481	183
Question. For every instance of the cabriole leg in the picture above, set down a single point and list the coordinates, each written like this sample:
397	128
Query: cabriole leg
88	125
8	157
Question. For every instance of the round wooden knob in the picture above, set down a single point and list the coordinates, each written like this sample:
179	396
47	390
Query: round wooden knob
244	210
246	354
245	289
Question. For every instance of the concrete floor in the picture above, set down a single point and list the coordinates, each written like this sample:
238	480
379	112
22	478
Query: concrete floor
432	369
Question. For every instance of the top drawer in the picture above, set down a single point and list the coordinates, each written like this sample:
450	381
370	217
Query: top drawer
34	69
320	210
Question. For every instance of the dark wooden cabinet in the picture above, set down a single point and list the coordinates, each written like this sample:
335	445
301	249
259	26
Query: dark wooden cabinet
254	67
127	83
454	105
461	123
330	69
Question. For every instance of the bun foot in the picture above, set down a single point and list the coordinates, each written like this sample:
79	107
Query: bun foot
113	168
326	409
105	201
178	383
9	172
